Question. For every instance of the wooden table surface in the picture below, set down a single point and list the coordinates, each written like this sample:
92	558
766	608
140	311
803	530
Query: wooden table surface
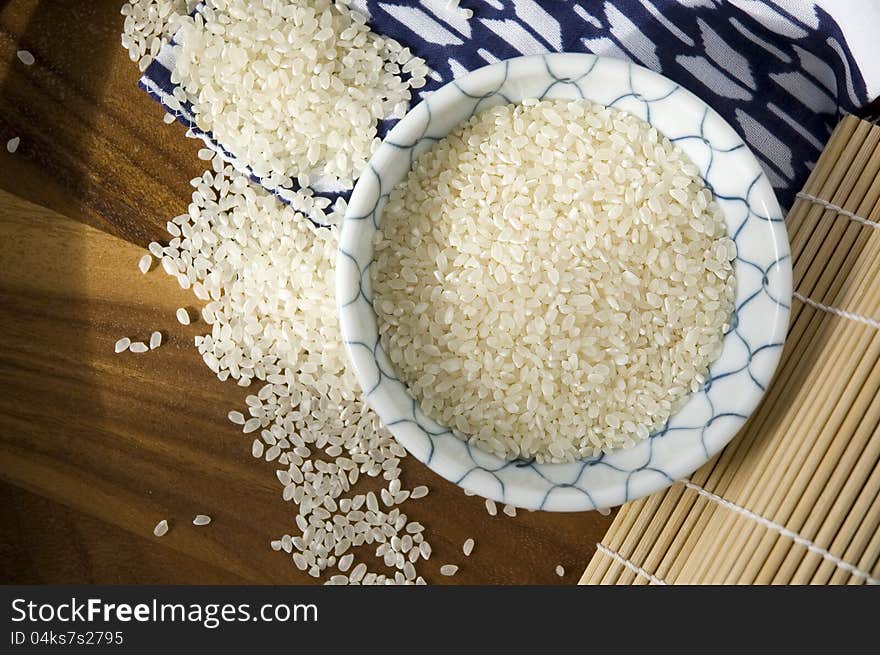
95	447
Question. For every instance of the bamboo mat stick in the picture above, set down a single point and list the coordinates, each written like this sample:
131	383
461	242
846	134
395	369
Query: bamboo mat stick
745	547
808	460
810	417
865	539
872	554
808	486
744	448
804	242
663	523
632	536
781	411
675	507
851	440
824	184
661	513
600	564
797	447
855	522
814	411
838	173
843	520
862	151
859	456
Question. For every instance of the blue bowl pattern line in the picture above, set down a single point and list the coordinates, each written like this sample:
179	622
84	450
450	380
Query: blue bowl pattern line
752	346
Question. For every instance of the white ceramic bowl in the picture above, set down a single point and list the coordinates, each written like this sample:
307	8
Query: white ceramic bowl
737	379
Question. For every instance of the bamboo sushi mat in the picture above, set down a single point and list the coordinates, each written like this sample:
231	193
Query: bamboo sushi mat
794	498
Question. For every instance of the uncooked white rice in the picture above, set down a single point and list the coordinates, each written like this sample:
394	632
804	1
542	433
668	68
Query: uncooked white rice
465	13
201	519
25	57
358	572
269	275
155	340
264	75
448	569
419	492
138	347
468	547
182	314
148	26
560	570
552	280
12	145
144	263
121	345
510	510
266	276
491	508
161	528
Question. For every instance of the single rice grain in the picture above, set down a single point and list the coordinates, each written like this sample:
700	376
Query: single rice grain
25	57
419	492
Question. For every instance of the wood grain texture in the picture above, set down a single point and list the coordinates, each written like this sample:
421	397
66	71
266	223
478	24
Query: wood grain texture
96	447
93	145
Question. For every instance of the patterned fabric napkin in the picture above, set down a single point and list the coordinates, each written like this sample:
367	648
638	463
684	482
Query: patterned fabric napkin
780	72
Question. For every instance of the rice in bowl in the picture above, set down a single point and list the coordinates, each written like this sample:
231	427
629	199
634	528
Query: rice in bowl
552	280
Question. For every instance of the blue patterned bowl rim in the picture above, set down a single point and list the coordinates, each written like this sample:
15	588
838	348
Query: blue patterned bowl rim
752	347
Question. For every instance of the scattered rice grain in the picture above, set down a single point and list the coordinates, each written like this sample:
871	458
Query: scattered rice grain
25	57
144	263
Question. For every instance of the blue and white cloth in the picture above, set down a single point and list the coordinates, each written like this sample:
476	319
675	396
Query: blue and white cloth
781	72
